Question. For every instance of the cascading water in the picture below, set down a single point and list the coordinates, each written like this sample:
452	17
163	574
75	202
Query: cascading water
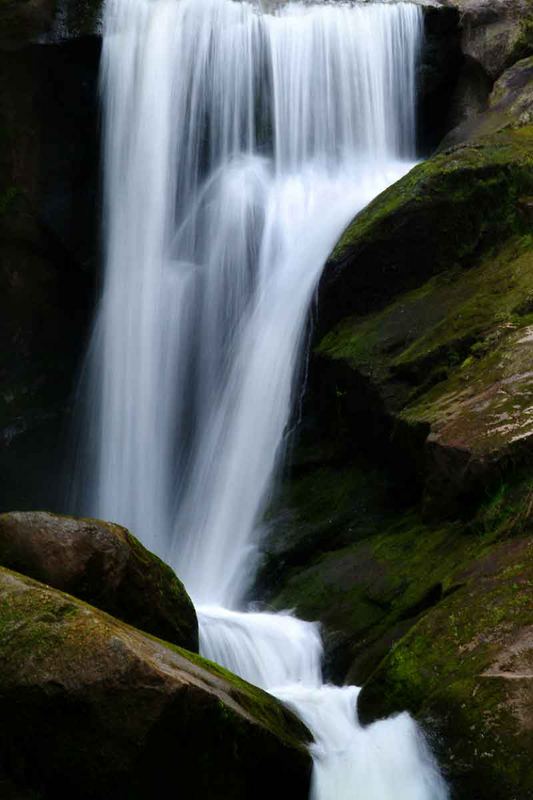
239	143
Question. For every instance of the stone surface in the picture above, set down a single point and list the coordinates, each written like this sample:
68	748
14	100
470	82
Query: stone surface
92	708
510	105
29	21
495	33
466	671
446	361
443	213
48	255
103	564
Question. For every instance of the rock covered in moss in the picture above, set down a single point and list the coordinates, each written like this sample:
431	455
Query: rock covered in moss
452	364
481	421
92	708
104	565
466	671
439	268
444	213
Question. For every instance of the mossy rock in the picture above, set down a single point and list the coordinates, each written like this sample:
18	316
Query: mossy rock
97	709
103	564
451	361
439	271
376	569
445	213
466	671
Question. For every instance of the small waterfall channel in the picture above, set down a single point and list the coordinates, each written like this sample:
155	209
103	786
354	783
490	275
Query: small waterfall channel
239	142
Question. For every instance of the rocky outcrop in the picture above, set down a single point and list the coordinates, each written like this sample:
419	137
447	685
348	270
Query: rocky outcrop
445	212
495	33
95	709
103	564
26	21
490	37
466	671
446	254
510	105
422	615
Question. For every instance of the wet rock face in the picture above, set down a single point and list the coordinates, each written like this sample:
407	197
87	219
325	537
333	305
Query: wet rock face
103	564
441	64
510	104
466	671
48	254
25	21
495	33
97	709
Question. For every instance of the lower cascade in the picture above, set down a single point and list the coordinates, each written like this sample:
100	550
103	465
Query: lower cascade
239	142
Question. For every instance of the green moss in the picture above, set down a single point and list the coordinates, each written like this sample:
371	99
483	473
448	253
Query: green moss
397	565
56	631
452	317
496	168
462	664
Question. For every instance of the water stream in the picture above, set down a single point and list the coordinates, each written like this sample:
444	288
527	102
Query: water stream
239	142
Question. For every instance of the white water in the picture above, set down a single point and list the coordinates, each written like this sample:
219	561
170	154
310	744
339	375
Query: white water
388	760
238	145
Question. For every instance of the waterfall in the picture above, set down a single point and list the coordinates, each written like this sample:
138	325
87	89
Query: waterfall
239	142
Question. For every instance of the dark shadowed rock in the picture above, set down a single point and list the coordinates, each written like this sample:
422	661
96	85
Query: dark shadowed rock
94	709
26	21
104	565
510	105
48	254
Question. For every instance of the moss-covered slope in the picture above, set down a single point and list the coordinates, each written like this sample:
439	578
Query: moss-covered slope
445	257
466	670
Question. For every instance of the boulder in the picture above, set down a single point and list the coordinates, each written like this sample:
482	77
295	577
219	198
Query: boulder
93	708
465	670
510	105
438	271
495	33
443	213
450	363
103	564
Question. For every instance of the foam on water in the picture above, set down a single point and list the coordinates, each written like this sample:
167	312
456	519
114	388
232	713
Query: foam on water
388	760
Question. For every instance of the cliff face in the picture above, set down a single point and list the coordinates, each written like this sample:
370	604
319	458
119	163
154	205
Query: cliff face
49	176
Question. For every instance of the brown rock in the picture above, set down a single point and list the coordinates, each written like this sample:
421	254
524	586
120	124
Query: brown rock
103	564
94	709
